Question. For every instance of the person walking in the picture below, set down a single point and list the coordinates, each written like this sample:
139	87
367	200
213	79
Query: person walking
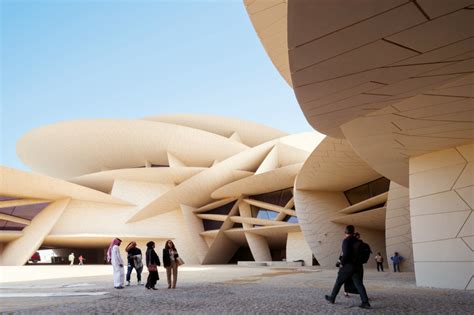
379	260
351	267
71	259
170	256
134	260
152	263
396	260
113	256
81	260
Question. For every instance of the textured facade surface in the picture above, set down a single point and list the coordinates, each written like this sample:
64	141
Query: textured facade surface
442	203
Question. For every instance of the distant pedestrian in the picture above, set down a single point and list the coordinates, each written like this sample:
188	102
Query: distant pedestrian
71	259
379	260
396	260
170	261
134	260
113	256
81	260
152	263
351	267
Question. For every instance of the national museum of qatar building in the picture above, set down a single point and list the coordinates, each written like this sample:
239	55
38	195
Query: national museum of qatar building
387	85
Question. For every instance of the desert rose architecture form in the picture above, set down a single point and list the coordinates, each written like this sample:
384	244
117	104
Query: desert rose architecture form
221	188
393	80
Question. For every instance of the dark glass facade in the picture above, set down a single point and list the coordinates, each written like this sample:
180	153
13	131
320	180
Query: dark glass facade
368	190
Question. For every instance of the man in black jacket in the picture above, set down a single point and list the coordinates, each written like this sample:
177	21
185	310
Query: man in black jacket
350	268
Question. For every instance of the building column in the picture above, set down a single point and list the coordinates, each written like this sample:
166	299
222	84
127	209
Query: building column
258	244
17	252
397	226
442	219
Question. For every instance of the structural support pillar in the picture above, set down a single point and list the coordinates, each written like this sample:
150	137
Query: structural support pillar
17	252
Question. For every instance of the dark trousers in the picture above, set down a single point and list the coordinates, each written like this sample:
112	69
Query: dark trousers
129	272
152	279
356	273
396	267
379	266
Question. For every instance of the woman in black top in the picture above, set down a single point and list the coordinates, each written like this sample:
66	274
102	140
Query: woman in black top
152	263
169	262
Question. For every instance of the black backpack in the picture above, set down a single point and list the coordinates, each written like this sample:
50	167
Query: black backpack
361	252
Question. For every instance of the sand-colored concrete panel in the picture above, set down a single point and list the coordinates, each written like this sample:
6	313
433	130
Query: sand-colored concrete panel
438	226
398	236
269	163
428	274
173	161
467	151
269	181
298	249
250	133
434	180
269	19
436	160
327	168
467	194
104	181
466	179
195	227
8	236
365	204
448	201
106	143
12	218
315	211
373	219
443	251
18	251
21	202
258	246
17	183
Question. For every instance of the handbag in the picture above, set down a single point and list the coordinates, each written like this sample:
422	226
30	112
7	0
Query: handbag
179	261
151	267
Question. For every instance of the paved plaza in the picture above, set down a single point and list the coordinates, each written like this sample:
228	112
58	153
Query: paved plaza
220	290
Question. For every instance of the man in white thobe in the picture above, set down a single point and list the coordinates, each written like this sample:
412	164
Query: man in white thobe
117	264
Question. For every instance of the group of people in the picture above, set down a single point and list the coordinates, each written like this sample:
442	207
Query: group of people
72	257
396	260
171	261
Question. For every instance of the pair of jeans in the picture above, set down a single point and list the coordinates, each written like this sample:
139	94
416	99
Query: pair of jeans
396	267
139	272
356	272
379	266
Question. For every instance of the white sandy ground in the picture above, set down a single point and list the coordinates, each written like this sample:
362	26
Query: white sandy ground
221	289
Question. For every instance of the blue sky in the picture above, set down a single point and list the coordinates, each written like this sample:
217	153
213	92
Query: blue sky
65	60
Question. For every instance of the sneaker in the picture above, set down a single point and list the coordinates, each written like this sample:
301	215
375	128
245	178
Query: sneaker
365	305
128	283
119	287
329	299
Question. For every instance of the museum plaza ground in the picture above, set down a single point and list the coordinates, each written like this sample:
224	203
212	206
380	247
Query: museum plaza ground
223	289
